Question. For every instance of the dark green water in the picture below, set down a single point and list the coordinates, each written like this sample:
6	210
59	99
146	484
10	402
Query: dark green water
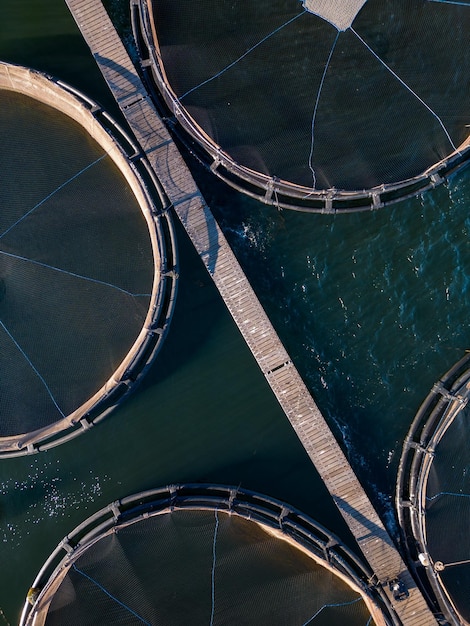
372	307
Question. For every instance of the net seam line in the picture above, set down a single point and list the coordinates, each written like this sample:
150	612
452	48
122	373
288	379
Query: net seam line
110	595
326	606
230	65
310	157
433	113
447	493
213	568
33	368
462	4
88	278
64	184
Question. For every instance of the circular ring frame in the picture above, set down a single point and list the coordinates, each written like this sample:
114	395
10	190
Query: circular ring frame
154	206
277	518
439	409
270	190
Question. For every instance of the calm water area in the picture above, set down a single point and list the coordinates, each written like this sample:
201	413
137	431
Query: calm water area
372	307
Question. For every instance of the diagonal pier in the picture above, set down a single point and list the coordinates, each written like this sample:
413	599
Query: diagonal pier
258	332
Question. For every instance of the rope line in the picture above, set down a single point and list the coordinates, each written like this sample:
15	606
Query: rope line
53	193
88	278
326	606
465	562
447	493
462	4
110	595
213	567
310	158
400	80
32	367
2	614
222	71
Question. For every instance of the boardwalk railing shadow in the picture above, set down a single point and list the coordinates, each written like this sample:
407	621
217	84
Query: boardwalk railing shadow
159	149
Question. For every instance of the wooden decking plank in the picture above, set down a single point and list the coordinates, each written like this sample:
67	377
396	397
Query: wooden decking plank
95	25
86	6
86	11
94	28
103	38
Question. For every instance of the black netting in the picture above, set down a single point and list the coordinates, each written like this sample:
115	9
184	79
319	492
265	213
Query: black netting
25	124
448	510
76	267
201	567
457	581
284	92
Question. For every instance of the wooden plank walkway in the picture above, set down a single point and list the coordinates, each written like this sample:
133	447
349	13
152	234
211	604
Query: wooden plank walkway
245	308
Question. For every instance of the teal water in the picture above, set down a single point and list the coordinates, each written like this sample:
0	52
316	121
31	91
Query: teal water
372	307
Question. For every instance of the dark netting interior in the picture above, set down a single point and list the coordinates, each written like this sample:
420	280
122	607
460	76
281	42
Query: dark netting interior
286	93
447	517
201	567
76	266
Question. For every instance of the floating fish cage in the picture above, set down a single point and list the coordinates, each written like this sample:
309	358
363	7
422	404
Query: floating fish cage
203	554
87	263
319	105
433	494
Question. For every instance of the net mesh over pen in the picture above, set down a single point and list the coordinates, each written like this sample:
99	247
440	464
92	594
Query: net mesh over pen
76	267
433	492
324	95
447	505
191	563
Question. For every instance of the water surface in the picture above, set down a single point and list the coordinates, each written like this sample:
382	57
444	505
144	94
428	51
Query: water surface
372	307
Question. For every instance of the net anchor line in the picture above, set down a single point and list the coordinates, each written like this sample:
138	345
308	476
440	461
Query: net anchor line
402	82
447	493
333	605
56	190
35	370
462	4
216	528
110	595
443	566
3	616
74	275
317	101
246	53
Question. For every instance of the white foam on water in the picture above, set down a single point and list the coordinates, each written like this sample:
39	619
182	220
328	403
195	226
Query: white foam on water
47	492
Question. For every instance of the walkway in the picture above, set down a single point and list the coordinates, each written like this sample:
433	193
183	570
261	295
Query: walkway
243	304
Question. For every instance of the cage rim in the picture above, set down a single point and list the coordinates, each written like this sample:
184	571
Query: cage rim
267	189
270	513
154	207
432	420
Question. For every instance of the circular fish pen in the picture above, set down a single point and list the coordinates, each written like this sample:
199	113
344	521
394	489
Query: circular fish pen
318	106
433	494
87	263
214	553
